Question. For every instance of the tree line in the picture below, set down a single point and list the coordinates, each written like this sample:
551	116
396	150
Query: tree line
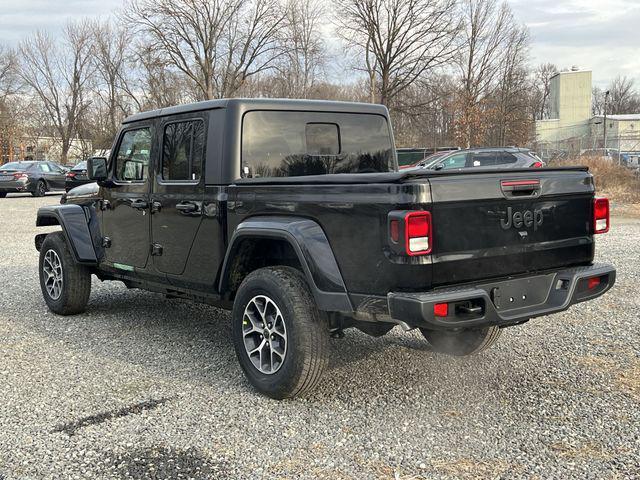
452	72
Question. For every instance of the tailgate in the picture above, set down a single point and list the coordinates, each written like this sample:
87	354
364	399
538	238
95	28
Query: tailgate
500	224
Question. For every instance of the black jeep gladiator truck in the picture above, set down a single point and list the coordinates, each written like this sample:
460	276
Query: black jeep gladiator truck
294	215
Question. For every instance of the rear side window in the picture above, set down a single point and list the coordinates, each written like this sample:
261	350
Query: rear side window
489	159
44	167
503	158
286	144
183	151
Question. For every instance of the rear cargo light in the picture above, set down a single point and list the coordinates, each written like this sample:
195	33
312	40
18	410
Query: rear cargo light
593	282
441	309
418	233
600	215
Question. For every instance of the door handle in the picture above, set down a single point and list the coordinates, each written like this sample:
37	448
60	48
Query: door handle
139	204
156	206
187	207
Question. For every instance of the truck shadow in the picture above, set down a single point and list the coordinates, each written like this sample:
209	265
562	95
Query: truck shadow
179	339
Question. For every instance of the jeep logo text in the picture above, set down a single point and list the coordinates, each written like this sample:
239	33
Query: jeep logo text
526	219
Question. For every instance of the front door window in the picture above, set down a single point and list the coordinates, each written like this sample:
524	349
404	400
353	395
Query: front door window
132	161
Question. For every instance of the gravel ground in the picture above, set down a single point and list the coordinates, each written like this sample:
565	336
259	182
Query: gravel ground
143	387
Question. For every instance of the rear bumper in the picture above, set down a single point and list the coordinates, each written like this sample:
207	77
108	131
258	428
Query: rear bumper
13	187
503	302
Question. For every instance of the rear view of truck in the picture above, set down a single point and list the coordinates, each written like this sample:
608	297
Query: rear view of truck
505	246
323	211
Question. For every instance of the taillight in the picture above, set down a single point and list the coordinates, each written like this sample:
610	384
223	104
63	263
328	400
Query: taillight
20	176
537	165
418	233
71	175
600	215
410	232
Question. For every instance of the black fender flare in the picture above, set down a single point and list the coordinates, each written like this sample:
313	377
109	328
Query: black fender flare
312	248
74	221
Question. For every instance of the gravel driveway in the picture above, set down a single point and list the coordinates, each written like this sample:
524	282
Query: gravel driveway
143	387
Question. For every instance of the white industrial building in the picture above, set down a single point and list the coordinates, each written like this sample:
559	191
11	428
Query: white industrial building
573	128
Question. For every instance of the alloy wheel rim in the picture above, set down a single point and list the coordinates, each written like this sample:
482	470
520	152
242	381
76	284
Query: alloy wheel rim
41	188
53	277
264	334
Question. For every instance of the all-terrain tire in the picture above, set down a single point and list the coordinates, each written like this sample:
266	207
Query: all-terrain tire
72	292
307	333
464	342
41	189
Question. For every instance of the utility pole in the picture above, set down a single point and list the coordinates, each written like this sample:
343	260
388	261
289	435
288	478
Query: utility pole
606	97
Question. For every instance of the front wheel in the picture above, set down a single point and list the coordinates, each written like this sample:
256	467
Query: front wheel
65	284
280	338
462	342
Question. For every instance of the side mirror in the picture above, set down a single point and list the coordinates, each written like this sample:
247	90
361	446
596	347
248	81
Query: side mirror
439	166
97	169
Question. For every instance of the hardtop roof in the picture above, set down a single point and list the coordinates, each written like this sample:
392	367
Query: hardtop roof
262	104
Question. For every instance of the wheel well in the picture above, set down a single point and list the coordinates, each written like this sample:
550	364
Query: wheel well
45	221
254	253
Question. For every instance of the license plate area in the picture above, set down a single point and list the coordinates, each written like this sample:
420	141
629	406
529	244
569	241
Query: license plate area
519	292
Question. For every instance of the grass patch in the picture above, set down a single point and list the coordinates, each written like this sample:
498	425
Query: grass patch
620	184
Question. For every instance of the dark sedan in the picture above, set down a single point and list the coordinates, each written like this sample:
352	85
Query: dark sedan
77	176
36	178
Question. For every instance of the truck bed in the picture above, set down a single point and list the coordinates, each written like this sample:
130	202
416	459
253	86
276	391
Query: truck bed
467	208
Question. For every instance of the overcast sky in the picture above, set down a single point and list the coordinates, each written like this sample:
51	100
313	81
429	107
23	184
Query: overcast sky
600	35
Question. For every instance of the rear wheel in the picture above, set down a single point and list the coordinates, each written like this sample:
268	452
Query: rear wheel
463	342
65	284
3	194
41	189
280	338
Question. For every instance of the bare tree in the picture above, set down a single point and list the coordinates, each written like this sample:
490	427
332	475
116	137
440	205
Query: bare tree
541	89
59	75
597	101
511	121
9	86
488	29
303	63
9	81
623	97
112	86
402	40
217	44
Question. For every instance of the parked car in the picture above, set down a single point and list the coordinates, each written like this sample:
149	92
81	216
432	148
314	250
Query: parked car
34	177
502	157
293	214
77	176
